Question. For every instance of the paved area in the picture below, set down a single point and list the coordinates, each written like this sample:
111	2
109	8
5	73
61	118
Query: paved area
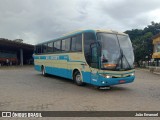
23	88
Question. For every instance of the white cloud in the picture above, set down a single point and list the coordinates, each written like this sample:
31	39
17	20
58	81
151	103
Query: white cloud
154	15
40	20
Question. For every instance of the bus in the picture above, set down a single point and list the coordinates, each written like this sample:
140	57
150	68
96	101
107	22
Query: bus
98	57
8	58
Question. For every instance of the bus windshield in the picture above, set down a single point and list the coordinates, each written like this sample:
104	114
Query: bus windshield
117	52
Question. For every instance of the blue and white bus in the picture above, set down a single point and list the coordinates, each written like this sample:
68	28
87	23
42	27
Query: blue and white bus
97	57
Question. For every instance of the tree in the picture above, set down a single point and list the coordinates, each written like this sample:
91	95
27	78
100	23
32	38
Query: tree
142	41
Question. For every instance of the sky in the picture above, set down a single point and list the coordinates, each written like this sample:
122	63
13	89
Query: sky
37	21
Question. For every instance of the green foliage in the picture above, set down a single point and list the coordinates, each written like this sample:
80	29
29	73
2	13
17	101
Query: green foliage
142	42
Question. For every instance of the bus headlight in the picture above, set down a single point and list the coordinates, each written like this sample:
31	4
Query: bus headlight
106	76
132	74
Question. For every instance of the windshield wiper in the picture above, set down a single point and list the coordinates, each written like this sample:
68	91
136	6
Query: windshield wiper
121	58
127	61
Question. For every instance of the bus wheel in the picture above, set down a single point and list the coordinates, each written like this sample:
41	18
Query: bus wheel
43	71
78	78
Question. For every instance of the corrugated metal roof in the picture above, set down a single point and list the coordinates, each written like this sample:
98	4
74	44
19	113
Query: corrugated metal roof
16	45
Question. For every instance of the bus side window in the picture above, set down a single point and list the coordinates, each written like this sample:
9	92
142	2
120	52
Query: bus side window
38	49
50	47
63	45
57	46
73	45
54	49
76	43
35	49
79	43
67	44
44	48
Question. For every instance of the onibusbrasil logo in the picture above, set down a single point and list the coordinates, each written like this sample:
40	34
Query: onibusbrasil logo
21	114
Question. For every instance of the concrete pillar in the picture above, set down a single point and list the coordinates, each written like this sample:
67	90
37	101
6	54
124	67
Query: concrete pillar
157	62
21	57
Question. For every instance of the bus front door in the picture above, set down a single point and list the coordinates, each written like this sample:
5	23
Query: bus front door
94	64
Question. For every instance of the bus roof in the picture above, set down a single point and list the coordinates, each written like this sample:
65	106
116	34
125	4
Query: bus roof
82	31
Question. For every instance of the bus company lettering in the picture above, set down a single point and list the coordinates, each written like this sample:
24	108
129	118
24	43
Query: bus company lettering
54	57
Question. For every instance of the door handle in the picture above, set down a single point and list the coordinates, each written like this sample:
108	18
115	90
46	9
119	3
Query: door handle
83	64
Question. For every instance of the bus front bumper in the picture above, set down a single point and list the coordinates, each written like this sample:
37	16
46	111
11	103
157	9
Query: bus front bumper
113	81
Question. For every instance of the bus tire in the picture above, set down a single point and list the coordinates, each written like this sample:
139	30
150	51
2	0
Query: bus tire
78	78
43	71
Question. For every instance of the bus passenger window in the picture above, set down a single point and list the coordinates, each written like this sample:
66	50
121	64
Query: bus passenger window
57	46
76	43
50	47
67	44
44	48
63	45
79	43
73	46
38	49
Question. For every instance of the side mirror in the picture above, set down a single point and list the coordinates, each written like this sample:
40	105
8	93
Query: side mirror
98	46
95	52
99	49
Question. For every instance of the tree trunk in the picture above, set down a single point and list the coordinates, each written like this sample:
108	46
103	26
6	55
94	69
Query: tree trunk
138	64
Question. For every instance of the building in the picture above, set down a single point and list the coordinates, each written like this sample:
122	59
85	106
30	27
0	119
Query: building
15	52
156	48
